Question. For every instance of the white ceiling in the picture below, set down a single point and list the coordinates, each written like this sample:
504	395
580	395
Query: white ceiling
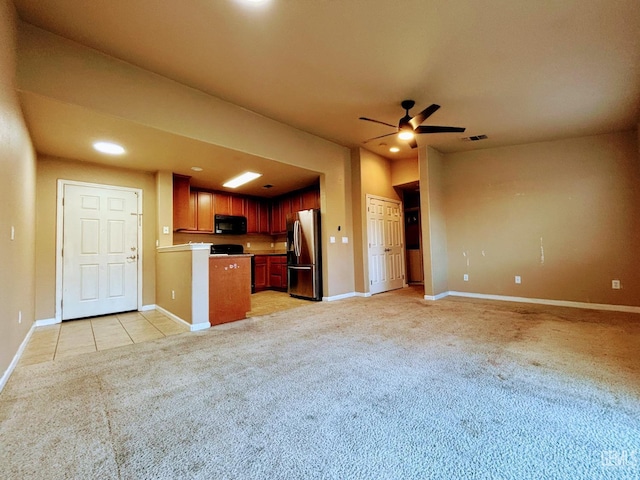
518	71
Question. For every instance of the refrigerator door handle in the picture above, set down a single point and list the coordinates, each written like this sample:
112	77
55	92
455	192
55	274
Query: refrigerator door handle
299	268
296	237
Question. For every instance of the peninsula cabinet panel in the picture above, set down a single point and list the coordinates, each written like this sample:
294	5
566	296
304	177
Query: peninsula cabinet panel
229	288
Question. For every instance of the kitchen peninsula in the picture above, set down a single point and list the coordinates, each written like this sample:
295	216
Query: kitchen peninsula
201	289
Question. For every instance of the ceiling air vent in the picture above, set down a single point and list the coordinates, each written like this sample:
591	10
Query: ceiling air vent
474	138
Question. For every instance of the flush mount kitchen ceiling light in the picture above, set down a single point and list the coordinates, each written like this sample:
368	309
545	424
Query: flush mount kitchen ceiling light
109	147
241	179
394	149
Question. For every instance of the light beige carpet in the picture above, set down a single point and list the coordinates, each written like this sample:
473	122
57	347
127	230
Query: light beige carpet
390	386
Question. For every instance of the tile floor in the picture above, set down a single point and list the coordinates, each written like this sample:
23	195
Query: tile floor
98	333
101	333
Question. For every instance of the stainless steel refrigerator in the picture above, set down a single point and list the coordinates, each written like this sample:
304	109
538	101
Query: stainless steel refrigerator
304	271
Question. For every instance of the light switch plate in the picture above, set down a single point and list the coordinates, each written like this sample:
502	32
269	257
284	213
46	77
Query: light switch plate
345	239
332	239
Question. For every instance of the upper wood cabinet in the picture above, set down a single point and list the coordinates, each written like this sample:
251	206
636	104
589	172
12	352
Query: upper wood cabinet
292	202
202	211
181	203
226	204
257	213
310	199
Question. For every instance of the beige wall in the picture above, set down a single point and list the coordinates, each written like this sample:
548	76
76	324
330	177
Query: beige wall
564	215
17	203
175	274
433	221
63	70
164	191
371	175
404	171
52	169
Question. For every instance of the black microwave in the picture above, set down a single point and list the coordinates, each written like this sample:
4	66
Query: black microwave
230	224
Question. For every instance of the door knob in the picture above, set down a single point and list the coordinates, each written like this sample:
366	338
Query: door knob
132	257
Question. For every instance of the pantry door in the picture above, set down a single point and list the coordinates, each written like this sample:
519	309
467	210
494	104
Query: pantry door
385	239
100	255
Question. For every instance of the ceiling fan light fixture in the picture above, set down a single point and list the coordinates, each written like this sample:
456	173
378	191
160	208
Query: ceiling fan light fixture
405	135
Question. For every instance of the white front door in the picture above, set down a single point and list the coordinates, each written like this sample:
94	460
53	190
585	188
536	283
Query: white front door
384	230
100	251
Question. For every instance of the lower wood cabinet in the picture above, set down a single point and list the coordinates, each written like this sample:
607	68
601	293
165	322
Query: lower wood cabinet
270	272
260	273
278	272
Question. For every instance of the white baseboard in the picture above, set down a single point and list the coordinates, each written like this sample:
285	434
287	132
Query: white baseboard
436	297
16	358
362	294
194	327
545	301
47	321
147	308
342	296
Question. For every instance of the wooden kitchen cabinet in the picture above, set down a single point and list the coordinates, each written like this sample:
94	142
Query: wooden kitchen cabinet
281	207
277	272
226	204
310	199
257	213
181	203
260	280
200	212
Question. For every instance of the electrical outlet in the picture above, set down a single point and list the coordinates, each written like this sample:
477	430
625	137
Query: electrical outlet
615	284
271	244
173	294
13	232
248	244
466	277
165	230
345	239
518	279
332	239
19	316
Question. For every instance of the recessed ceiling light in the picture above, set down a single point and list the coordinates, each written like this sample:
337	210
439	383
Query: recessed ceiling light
394	149
109	147
196	169
241	179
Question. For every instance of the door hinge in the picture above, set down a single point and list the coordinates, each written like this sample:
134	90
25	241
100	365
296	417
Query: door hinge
371	282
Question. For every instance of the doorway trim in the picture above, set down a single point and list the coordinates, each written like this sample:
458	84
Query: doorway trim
59	236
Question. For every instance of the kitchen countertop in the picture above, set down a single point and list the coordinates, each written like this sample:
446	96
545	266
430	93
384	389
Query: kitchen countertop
264	252
231	255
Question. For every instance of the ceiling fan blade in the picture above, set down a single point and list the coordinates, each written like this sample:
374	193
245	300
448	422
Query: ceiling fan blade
378	121
413	143
375	138
423	115
437	129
